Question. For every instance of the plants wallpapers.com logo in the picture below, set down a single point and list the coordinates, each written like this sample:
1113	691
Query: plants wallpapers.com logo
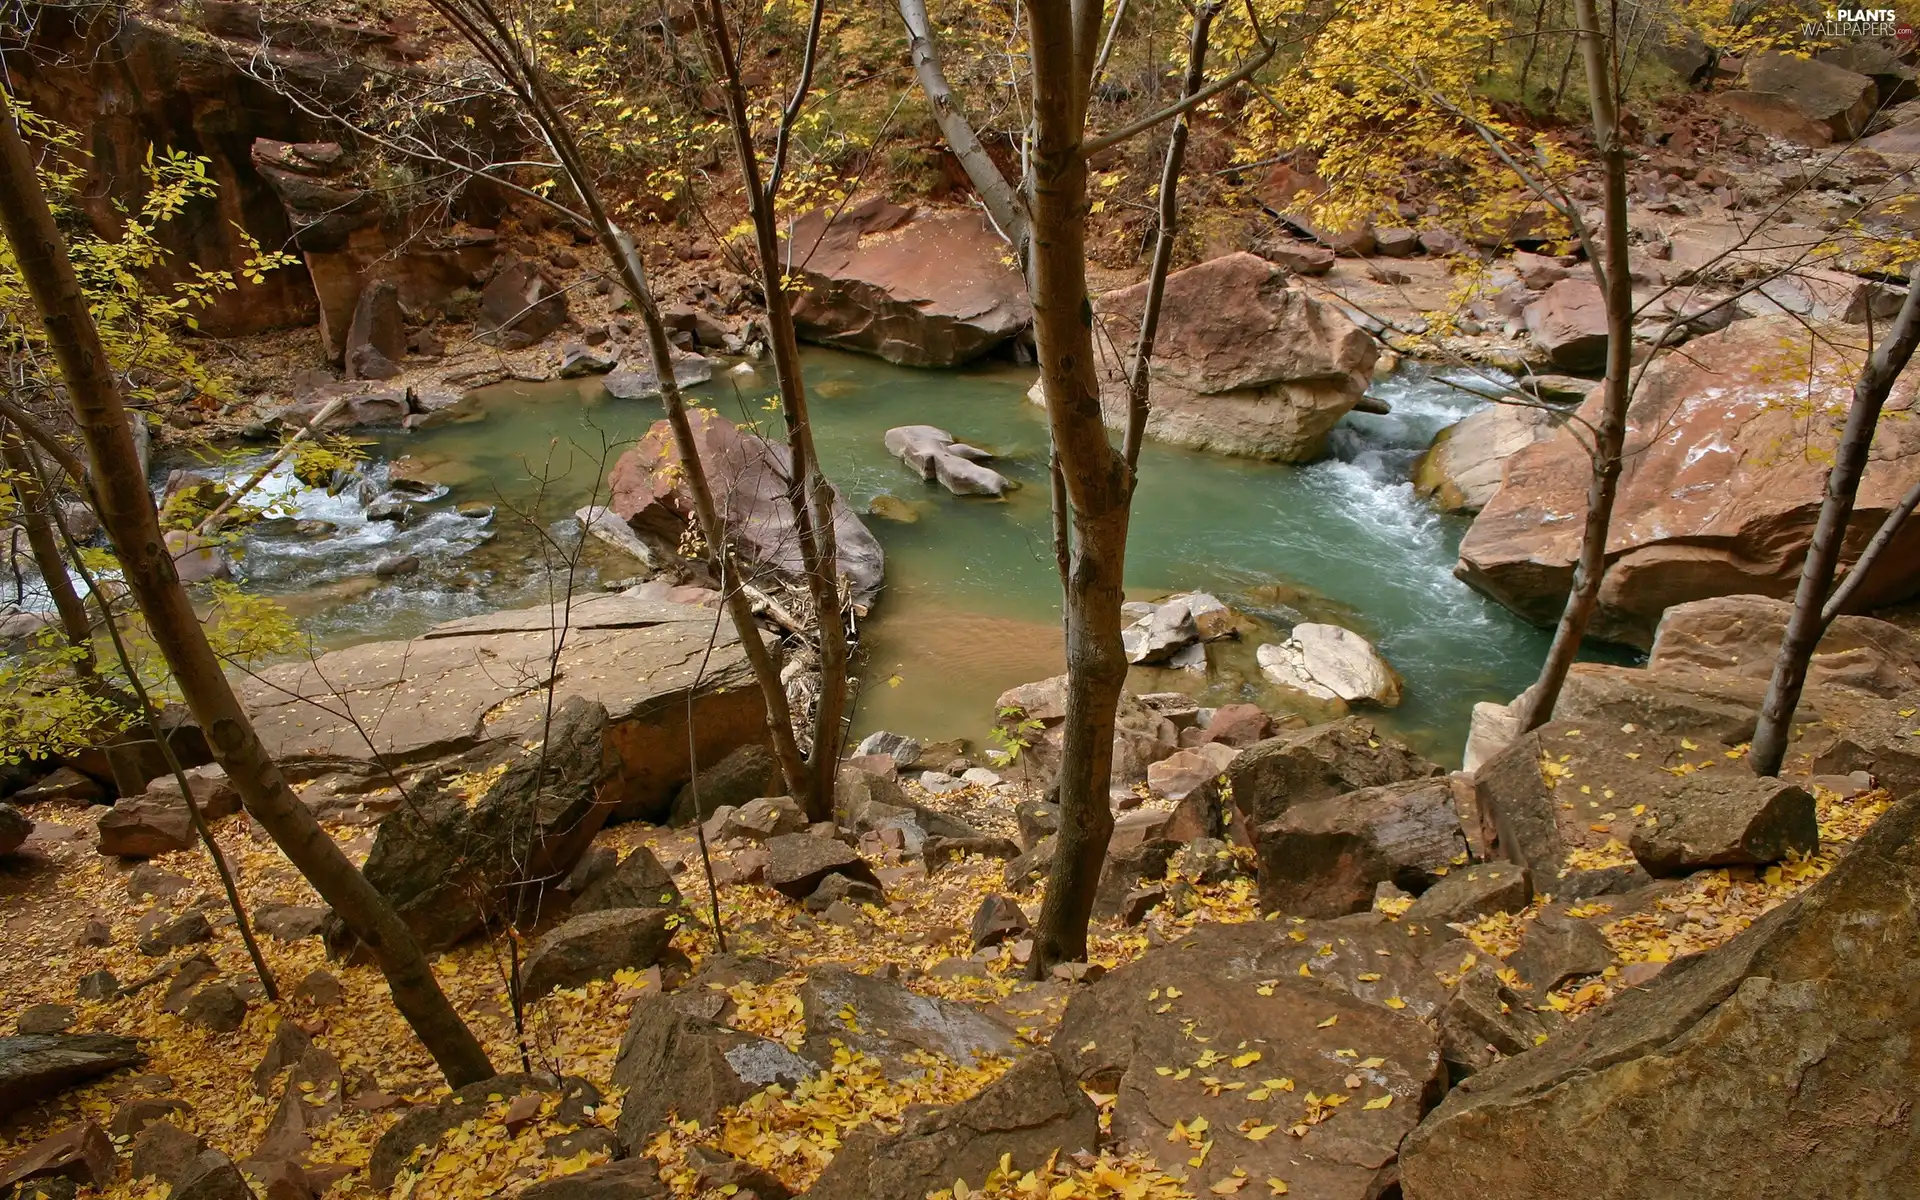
1862	23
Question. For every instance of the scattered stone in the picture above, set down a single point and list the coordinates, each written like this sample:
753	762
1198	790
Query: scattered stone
716	1170
1231	985
1206	860
211	1176
320	988
674	1064
1035	864
421	1130
998	919
1719	822
136	1114
81	1154
217	1006
184	930
1471	892
15	826
843	890
627	1179
150	880
520	305
1238	725
164	1151
747	772
63	783
46	1018
1178	774
760	820
97	985
289	922
884	1020
1136	904
1302	258
639	881
1129	869
578	361
1038	821
1485	1021
396	565
95	933
593	946
1318	763
1554	949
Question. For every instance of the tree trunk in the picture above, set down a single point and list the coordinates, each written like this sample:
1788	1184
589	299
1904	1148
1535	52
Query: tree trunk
46	555
1610	432
126	509
1096	482
809	495
1863	566
1805	625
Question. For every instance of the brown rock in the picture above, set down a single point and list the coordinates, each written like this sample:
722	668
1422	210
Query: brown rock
1319	763
1323	858
143	826
674	1064
1463	467
1707	504
922	287
520	305
748	477
797	862
1243	364
593	946
1568	325
81	1153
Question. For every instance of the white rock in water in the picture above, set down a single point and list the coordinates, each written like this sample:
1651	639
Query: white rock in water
1329	662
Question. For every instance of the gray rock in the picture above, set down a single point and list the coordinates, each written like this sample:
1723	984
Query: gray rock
593	946
1324	858
997	920
578	361
890	1023
1726	820
1555	948
184	930
798	862
164	1151
639	881
628	1179
34	1067
1471	892
142	826
746	773
289	922
905	751
216	1006
676	1064
46	1018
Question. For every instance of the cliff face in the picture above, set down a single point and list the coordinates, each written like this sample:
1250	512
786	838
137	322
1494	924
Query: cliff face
127	83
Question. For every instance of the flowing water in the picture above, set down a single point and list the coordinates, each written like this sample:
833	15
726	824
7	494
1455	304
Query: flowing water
971	604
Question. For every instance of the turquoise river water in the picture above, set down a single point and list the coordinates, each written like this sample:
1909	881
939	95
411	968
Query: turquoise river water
971	604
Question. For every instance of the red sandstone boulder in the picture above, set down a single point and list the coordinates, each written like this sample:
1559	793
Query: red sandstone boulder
1719	493
748	475
921	287
1242	363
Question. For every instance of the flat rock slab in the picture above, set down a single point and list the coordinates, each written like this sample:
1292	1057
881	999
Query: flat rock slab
1209	1028
38	1066
476	679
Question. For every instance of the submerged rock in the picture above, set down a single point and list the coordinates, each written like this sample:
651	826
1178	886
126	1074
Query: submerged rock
934	455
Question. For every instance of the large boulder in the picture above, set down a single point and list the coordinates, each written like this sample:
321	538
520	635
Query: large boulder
748	476
1741	635
921	287
1568	325
143	826
1461	470
639	881
1242	363
1718	493
1034	715
1768	1066
1029	1116
463	685
1297	1078
1323	858
1331	663
1318	763
36	1066
452	860
1815	102
521	304
377	336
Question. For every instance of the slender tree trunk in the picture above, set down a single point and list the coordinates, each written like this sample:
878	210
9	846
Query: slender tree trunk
1610	431
1807	622
126	509
1096	481
809	495
1139	374
1863	566
46	555
1533	47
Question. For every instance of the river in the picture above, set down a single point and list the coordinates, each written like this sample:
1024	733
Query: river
971	604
